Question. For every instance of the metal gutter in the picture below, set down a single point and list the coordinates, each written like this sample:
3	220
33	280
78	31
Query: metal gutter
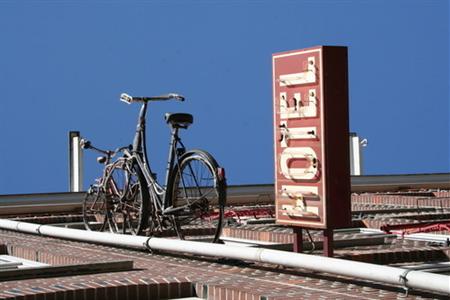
424	237
236	194
391	275
384	183
40	203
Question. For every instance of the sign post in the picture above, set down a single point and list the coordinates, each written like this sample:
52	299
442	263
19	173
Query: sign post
312	176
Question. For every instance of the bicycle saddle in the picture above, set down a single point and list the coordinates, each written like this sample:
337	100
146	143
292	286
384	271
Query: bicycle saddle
179	120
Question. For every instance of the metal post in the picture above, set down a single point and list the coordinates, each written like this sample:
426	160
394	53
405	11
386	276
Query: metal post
328	242
75	162
356	154
298	239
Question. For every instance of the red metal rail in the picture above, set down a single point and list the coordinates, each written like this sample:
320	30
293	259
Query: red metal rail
250	212
238	213
417	227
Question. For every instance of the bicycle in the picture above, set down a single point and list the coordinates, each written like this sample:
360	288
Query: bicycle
192	199
98	197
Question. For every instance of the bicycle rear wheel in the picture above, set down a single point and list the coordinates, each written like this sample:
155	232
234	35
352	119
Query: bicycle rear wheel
198	195
95	209
126	186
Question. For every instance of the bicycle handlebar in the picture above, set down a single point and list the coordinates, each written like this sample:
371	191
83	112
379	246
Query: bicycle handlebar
129	99
86	144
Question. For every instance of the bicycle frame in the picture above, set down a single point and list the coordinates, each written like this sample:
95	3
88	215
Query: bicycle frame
139	153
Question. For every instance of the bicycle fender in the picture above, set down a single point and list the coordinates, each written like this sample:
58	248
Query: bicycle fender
200	152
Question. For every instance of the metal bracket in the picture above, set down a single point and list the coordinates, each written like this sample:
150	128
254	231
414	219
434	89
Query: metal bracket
403	280
147	246
38	230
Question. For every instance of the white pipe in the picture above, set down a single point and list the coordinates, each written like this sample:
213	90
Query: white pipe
391	275
139	242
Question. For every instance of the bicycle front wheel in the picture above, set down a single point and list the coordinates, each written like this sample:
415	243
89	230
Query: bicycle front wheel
95	209
129	198
198	197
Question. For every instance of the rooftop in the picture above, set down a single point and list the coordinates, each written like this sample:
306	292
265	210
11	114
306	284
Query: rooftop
403	228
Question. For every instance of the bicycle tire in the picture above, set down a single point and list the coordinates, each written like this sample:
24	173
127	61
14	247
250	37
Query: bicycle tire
95	209
197	186
127	189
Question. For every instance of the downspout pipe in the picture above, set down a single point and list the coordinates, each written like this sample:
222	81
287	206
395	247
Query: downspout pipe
384	274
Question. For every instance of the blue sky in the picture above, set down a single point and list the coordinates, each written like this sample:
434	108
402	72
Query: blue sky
63	65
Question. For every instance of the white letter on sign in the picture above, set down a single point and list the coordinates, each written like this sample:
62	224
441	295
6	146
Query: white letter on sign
301	153
297	109
308	76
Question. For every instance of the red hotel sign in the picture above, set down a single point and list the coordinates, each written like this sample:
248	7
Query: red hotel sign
312	177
